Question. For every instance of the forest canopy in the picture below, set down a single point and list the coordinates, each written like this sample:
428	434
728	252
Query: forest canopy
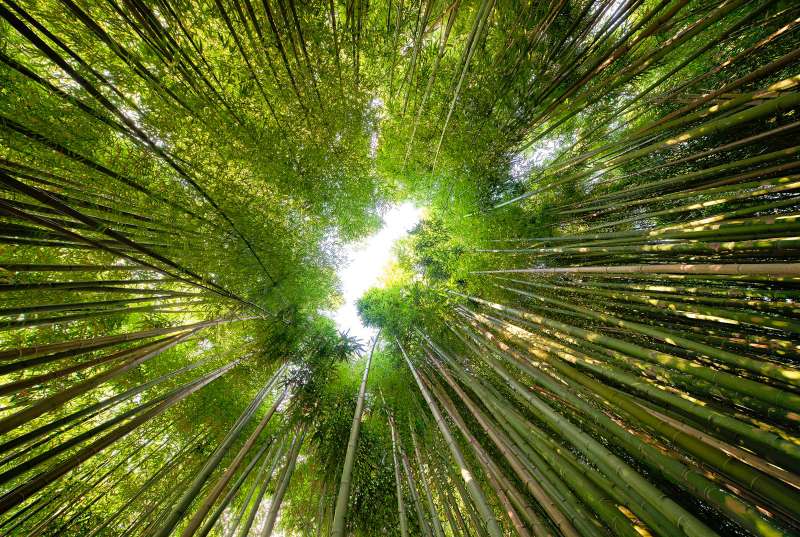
593	331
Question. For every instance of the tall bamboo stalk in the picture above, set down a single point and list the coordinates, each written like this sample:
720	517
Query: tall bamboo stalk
474	490
343	496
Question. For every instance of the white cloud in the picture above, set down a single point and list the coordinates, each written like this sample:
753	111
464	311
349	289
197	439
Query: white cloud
366	263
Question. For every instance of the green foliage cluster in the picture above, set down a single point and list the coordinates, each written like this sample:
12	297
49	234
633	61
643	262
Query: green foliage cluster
238	146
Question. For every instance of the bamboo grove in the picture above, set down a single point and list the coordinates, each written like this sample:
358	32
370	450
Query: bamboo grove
594	331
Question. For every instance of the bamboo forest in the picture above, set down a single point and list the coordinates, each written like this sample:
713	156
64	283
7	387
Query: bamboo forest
589	326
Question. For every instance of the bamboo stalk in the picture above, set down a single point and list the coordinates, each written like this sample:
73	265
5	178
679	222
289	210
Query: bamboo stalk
343	495
466	474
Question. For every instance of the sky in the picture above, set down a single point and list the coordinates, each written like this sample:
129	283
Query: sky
367	261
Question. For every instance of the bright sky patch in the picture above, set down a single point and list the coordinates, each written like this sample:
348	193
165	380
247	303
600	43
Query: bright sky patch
367	260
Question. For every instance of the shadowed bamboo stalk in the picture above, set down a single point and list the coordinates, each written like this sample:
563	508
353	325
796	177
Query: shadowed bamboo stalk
234	489
91	410
567	469
466	474
212	495
769	488
76	347
412	488
771	269
37	483
277	457
182	505
778	372
277	498
434	515
747	516
271	455
401	507
159	474
343	496
771	445
768	394
502	487
503	444
54	401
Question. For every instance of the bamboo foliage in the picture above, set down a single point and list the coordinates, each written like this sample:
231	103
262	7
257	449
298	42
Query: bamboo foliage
592	332
647	311
656	314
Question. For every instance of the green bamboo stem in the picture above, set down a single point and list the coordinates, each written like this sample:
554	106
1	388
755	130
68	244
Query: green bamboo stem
746	515
272	455
47	404
422	522
463	494
593	496
159	474
434	514
79	346
651	516
343	496
212	495
771	445
25	490
761	391
480	20
746	298
755	480
278	455
178	510
224	504
401	508
474	490
28	381
786	374
772	269
536	487
499	483
448	508
280	492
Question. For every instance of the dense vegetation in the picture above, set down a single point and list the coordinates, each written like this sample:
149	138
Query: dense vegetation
594	331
